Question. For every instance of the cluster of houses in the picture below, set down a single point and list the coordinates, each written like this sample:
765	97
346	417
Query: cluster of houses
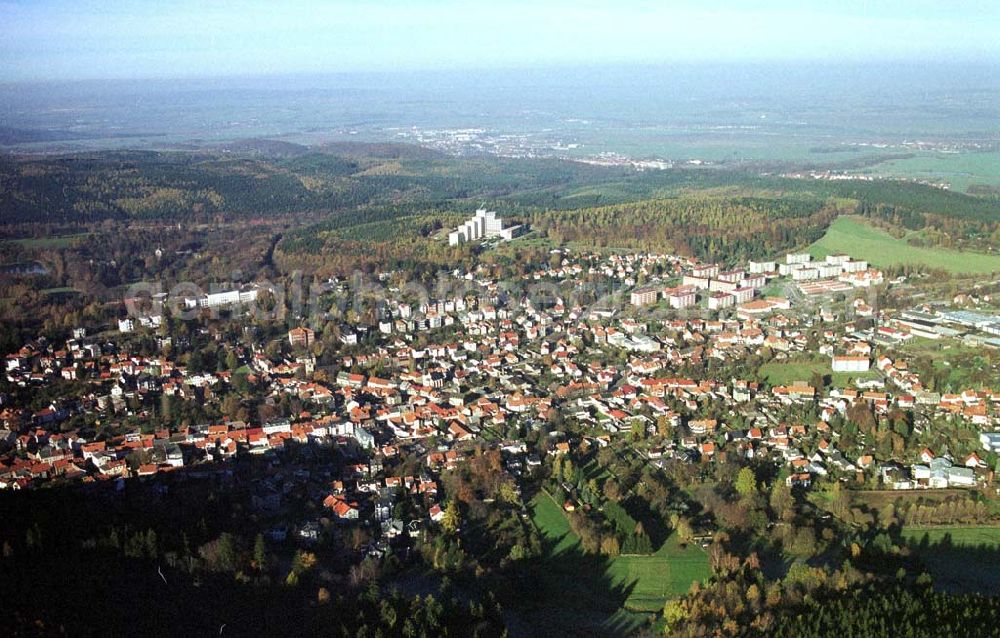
505	366
628	268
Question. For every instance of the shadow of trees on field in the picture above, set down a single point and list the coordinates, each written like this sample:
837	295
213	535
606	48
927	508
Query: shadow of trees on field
569	592
639	509
959	567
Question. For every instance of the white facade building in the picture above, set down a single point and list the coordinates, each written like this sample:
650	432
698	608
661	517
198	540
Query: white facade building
850	363
719	300
219	299
757	267
484	225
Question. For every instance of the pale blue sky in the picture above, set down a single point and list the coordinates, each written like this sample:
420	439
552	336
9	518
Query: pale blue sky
61	39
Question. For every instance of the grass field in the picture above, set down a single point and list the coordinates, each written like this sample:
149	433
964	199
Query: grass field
786	372
960	559
650	580
549	519
958	169
862	241
976	536
666	574
573	594
775	289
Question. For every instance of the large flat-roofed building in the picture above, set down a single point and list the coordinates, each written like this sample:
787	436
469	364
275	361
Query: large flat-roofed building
644	297
742	295
719	300
850	363
831	266
720	285
705	270
681	296
301	337
805	274
827	270
483	225
700	283
511	232
757	267
219	299
823	287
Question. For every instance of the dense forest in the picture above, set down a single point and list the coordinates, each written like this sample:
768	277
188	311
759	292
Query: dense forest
711	228
177	186
197	186
890	610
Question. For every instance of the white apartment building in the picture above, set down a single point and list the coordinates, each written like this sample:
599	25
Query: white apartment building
484	225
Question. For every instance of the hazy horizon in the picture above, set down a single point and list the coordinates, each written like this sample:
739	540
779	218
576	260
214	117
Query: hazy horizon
63	40
814	113
987	70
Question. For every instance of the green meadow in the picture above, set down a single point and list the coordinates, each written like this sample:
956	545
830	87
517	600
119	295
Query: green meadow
961	170
787	372
959	559
860	240
973	536
650	579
